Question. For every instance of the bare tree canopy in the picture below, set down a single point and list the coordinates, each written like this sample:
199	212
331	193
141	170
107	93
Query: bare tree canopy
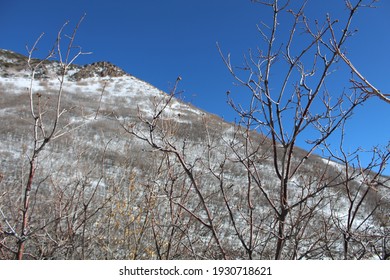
109	167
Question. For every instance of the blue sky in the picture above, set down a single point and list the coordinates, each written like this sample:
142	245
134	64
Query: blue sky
159	40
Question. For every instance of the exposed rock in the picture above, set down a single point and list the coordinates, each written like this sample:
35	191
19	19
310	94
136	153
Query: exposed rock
99	69
12	63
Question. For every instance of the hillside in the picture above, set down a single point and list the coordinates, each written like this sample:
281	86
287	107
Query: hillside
132	172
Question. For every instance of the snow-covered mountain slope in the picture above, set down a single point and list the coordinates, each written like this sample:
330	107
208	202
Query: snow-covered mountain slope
133	172
97	94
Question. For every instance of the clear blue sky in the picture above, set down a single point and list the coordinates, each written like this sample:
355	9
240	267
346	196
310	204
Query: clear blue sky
159	40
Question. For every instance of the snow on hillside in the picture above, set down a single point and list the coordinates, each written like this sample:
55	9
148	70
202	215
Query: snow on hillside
100	192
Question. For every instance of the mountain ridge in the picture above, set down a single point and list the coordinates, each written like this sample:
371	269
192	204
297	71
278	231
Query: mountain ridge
134	172
10	58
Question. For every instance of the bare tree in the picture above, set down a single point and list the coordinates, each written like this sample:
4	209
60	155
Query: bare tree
362	194
47	125
280	214
297	104
160	135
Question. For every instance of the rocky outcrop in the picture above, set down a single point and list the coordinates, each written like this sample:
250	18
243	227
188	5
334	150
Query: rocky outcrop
12	64
99	69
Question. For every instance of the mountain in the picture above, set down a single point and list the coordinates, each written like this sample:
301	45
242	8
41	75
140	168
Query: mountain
127	171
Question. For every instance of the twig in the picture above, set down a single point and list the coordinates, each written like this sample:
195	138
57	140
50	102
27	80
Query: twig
374	91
